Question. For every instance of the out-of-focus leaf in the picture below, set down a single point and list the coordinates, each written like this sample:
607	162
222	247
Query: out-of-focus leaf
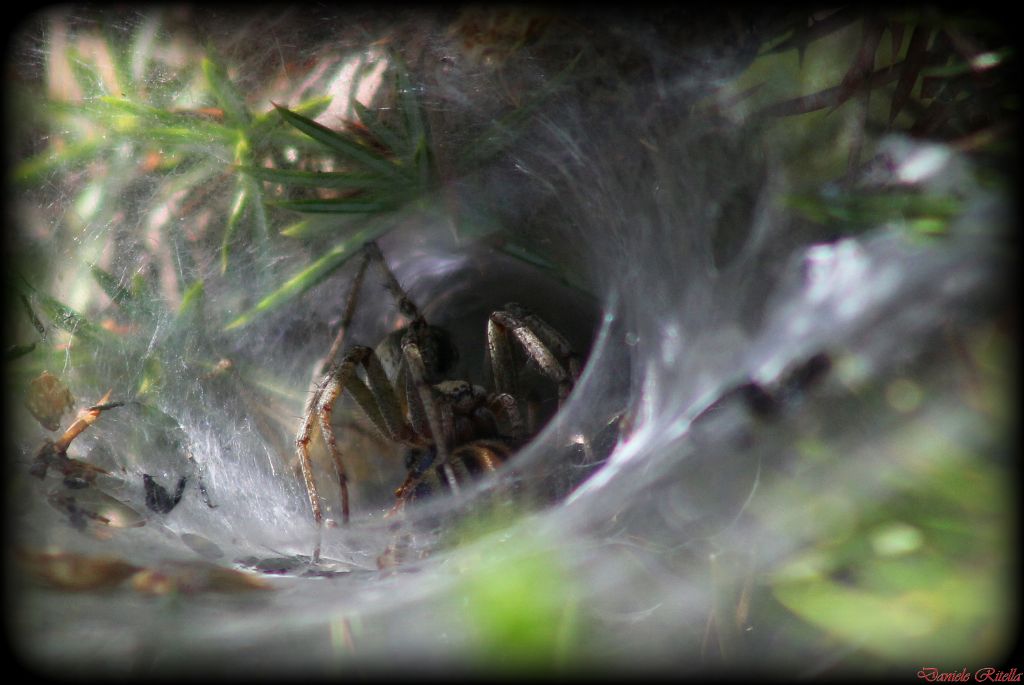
177	136
188	322
803	34
76	572
92	507
35	169
311	108
248	202
192	300
15	351
342	180
414	127
225	93
858	77
261	223
322	225
304	228
127	116
193	577
379	130
120	57
357	204
111	106
68	319
932	618
959	68
152	375
48	399
238	208
872	209
137	302
964	45
828	97
504	131
911	69
340	144
85	75
36	323
522	610
120	295
896	30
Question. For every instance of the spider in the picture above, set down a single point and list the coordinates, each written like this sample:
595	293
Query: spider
452	429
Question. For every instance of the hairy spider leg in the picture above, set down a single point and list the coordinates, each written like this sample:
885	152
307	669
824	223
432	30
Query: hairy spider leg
537	339
378	398
378	401
326	391
370	252
383	404
499	348
550	336
413	362
417	374
349	311
320	404
503	404
542	344
405	303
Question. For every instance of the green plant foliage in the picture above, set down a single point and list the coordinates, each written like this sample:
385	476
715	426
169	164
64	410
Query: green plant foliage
520	609
311	275
918	573
852	212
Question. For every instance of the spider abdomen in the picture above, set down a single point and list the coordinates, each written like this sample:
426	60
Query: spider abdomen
468	462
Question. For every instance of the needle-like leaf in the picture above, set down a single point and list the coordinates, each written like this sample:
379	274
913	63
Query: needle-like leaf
311	275
339	180
225	93
341	144
357	204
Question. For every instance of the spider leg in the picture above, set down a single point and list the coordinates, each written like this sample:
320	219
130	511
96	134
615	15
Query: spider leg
539	341
550	336
409	396
499	348
350	308
405	303
320	406
370	252
302	440
346	378
378	401
417	375
377	396
313	405
504	405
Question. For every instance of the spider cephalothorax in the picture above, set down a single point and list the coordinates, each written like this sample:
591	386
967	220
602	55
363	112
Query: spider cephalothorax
453	430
